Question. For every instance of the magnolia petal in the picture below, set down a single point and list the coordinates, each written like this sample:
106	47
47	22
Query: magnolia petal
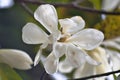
37	57
103	67
64	67
47	16
32	34
50	64
114	58
100	78
44	45
111	43
59	49
74	56
99	55
84	71
91	60
87	38
15	58
72	25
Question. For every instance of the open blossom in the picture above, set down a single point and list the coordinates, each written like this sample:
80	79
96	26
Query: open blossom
99	54
15	59
69	39
114	54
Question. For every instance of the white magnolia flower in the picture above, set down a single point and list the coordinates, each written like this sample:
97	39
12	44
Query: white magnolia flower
114	54
98	54
114	58
70	39
15	59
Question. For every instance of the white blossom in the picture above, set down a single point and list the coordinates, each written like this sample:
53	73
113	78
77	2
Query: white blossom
15	58
70	39
99	54
112	48
114	59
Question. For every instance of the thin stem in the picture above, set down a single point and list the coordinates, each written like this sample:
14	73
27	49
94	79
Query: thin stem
26	8
73	5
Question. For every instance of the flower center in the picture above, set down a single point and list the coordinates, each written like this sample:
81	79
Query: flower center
63	39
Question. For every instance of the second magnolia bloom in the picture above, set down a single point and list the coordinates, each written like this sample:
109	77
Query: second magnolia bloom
99	54
16	59
70	39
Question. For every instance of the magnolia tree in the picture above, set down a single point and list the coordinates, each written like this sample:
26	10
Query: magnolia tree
64	39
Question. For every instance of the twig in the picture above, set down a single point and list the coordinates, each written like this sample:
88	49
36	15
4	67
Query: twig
99	75
26	8
73	4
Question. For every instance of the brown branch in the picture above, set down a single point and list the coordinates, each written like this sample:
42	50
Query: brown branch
98	75
74	5
26	8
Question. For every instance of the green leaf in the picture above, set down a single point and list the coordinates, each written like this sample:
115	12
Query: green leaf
7	73
96	3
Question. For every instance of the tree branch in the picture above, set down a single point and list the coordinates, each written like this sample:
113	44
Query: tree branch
74	5
26	8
